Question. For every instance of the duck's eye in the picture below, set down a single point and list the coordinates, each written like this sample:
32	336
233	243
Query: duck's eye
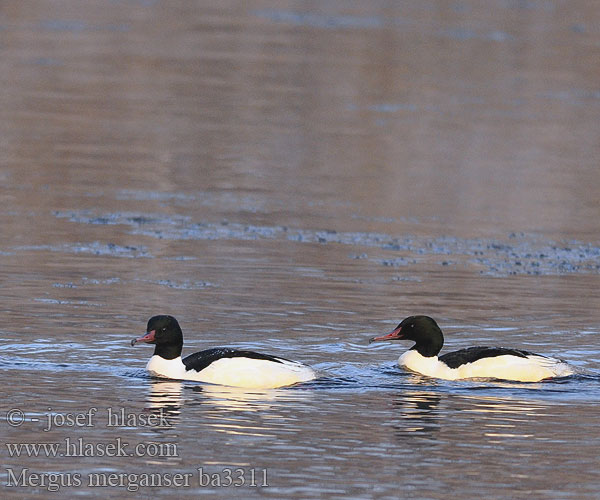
163	329
412	325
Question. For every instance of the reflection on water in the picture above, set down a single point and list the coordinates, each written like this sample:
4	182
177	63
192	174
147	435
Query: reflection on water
498	417
236	398
418	412
169	396
166	398
225	409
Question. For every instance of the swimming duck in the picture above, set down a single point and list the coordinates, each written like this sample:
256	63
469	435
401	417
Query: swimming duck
473	362
220	365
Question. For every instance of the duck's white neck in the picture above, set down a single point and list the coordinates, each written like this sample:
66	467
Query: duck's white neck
431	366
168	368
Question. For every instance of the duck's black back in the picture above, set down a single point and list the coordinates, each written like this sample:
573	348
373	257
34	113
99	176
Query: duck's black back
200	360
471	354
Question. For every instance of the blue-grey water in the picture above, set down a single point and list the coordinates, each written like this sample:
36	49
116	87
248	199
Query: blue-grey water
294	178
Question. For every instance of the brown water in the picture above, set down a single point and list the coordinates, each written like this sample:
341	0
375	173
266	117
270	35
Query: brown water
295	178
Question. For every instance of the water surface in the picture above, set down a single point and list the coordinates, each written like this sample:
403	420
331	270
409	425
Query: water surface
296	178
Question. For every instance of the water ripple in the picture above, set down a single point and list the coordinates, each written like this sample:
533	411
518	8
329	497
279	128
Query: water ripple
518	254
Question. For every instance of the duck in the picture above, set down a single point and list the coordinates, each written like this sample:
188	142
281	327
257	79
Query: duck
473	362
219	365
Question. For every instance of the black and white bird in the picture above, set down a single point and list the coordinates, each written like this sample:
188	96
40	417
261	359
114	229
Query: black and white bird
221	365
474	362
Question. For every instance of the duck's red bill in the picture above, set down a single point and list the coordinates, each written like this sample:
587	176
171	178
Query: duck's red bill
393	335
148	337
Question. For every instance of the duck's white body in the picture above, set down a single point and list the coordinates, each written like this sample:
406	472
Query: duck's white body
532	368
243	372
